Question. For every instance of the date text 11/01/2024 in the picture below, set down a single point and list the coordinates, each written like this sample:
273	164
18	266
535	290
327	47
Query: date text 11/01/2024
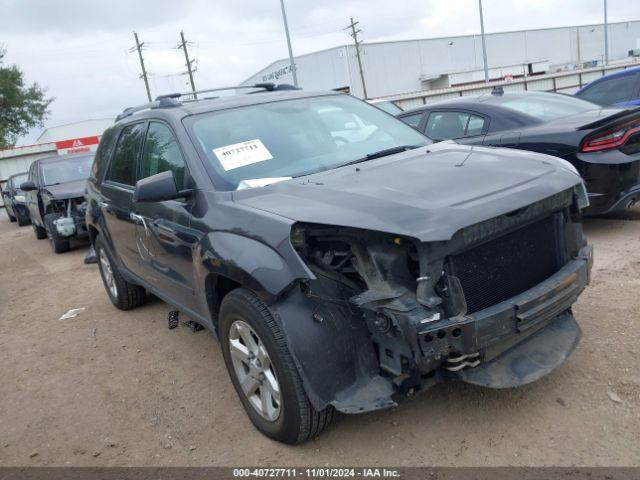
312	472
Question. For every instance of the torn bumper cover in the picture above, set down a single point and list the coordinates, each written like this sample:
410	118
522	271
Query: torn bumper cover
506	345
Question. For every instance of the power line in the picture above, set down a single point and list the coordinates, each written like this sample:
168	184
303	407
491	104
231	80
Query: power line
358	44
139	46
190	70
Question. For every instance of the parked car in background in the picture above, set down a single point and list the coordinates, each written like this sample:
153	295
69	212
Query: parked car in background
14	199
620	88
337	273
54	192
602	143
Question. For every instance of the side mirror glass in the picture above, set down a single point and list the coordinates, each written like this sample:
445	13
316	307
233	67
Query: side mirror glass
28	186
157	188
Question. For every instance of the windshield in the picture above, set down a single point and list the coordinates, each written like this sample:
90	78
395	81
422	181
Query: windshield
545	106
19	180
295	137
70	170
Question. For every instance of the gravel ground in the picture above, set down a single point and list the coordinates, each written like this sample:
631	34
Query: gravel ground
112	388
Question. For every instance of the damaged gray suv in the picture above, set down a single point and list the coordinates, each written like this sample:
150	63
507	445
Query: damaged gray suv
339	256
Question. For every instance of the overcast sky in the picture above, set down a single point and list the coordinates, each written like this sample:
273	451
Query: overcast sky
79	50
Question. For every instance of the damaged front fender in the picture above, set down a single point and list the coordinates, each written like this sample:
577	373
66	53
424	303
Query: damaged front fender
332	349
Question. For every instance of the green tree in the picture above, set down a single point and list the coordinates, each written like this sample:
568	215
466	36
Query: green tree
22	107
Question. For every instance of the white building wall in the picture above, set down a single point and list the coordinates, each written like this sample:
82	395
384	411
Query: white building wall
315	70
397	67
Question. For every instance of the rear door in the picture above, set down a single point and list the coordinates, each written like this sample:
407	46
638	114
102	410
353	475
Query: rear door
117	196
164	238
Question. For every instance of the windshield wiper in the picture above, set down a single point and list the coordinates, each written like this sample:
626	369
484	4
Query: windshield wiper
381	153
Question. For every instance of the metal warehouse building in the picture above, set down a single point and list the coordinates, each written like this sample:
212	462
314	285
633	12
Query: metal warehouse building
404	66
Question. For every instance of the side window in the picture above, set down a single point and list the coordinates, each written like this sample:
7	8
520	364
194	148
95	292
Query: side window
33	173
413	120
161	154
475	126
123	164
446	125
105	148
615	90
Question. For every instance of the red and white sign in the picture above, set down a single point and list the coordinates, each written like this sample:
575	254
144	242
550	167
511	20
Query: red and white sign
78	145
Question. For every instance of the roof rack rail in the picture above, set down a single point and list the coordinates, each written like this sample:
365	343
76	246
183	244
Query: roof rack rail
171	99
163	101
268	86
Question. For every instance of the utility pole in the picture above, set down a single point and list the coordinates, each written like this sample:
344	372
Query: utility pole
606	36
292	65
354	33
144	74
484	45
183	45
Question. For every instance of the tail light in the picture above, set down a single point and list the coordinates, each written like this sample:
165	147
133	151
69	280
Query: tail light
610	139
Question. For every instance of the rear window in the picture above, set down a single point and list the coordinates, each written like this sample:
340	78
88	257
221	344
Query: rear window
123	165
107	142
544	106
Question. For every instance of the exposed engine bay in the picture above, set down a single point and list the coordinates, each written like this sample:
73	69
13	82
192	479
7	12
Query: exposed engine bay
435	310
68	216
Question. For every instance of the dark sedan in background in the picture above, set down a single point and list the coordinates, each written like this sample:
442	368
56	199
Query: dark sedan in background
55	192
602	143
14	200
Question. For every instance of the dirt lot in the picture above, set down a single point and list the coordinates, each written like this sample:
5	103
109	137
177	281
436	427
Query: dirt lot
115	388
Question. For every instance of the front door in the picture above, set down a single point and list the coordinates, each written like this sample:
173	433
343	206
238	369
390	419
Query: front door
163	236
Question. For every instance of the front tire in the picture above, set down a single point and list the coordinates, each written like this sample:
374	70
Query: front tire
22	221
39	232
58	243
263	372
12	219
123	295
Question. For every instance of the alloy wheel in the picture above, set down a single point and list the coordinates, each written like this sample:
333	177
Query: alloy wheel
107	273
253	369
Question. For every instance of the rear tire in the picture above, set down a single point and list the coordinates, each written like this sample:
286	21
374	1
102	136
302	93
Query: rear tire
23	221
58	243
12	219
39	232
123	295
244	316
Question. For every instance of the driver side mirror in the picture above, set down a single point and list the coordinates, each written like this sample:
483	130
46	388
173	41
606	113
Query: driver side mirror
158	188
28	186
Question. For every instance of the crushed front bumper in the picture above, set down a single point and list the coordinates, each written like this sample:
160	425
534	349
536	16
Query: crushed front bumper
517	341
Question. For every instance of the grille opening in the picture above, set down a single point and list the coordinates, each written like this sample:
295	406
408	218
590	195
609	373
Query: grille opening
502	268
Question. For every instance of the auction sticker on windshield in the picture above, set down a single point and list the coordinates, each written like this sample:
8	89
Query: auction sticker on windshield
242	154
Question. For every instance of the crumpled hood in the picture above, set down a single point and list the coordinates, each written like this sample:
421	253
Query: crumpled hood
428	193
67	190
